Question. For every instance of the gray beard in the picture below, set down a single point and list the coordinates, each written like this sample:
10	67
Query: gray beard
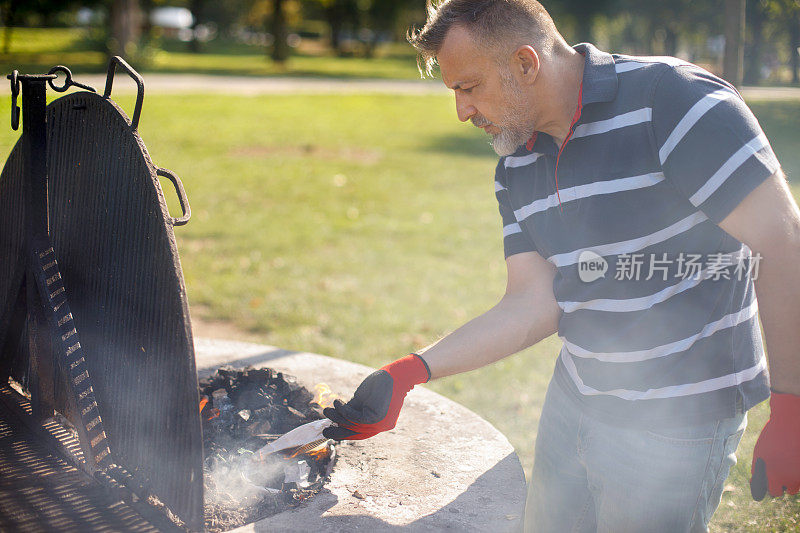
507	141
515	131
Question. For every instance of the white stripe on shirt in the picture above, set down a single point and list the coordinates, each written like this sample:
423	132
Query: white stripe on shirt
672	391
614	123
632	245
521	161
631	63
498	186
728	321
690	119
589	189
511	229
625	305
729	167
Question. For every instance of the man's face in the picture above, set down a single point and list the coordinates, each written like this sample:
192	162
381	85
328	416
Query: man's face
486	94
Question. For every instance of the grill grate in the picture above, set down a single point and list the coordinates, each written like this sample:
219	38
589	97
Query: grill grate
40	491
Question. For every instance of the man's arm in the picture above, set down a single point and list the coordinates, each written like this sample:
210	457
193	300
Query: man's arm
768	221
526	314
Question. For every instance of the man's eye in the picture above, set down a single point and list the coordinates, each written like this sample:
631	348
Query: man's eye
468	90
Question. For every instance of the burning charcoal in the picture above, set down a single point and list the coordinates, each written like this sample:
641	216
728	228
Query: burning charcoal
259	427
222	401
300	398
297	414
291	383
227	372
260	375
250	399
243	407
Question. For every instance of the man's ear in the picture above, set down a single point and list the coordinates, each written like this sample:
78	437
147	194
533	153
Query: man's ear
525	63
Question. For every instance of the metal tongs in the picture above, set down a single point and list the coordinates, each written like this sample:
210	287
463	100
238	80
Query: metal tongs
307	436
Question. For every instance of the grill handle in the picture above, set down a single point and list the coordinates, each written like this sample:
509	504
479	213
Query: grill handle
184	201
112	67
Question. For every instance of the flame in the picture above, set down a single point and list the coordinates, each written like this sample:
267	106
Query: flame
214	413
324	396
318	450
203	402
320	453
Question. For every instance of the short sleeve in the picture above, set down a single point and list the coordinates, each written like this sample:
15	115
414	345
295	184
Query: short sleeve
710	145
514	239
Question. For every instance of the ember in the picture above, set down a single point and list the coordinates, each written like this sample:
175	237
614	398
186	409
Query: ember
241	411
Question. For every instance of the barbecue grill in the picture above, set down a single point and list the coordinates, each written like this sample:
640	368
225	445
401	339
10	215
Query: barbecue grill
96	350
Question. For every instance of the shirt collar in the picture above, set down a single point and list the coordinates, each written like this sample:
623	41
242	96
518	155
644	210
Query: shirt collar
599	75
599	85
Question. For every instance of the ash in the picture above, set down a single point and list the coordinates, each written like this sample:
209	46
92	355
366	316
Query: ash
241	411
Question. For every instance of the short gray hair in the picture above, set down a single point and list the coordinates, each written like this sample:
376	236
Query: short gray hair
494	24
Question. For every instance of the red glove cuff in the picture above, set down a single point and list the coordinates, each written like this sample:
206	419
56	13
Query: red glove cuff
409	371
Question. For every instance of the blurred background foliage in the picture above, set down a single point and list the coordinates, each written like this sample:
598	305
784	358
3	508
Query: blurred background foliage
766	45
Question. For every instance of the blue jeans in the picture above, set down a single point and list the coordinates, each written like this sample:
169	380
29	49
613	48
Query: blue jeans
592	476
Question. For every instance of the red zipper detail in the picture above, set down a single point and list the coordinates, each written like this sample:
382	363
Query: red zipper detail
575	119
532	141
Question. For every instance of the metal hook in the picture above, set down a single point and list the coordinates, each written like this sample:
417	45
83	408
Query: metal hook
68	81
14	94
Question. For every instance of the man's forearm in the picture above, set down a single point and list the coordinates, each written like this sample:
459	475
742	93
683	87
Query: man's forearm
778	292
768	221
515	323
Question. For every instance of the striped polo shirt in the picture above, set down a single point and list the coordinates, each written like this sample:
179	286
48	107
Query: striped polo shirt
659	322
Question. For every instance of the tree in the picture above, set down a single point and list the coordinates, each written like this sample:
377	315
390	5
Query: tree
126	26
734	41
786	14
754	44
280	32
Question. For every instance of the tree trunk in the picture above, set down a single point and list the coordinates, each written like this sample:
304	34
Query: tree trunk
670	41
280	48
196	7
734	41
335	23
753	52
794	32
126	19
8	21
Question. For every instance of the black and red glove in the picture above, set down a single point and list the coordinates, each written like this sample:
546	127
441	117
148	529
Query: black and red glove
376	403
776	457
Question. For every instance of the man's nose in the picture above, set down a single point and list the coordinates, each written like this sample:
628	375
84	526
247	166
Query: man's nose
464	109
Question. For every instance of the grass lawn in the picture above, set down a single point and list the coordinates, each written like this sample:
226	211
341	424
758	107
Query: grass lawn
365	226
36	50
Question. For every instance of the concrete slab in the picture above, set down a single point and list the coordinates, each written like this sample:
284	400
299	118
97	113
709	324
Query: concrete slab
442	468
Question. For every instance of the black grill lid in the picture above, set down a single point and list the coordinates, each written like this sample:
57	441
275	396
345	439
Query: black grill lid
113	237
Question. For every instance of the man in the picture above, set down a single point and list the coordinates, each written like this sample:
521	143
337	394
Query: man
618	177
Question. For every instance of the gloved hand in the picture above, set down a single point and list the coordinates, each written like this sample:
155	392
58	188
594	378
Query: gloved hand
376	403
776	457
